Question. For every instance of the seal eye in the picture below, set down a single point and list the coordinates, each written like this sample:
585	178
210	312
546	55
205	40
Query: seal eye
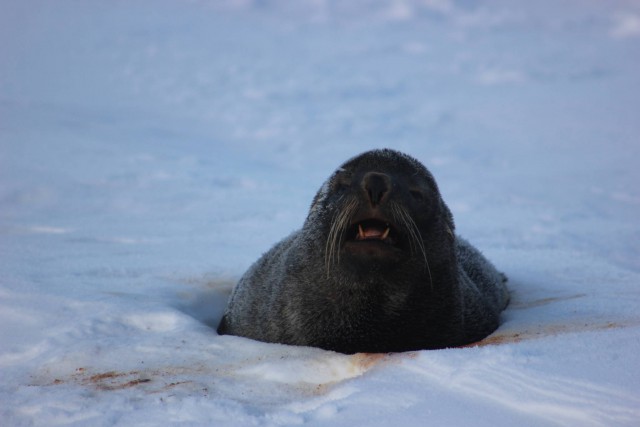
417	195
340	186
342	183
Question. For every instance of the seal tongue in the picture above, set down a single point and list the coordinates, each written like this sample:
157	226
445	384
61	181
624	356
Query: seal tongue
372	233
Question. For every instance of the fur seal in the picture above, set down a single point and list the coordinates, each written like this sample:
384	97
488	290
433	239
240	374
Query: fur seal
375	268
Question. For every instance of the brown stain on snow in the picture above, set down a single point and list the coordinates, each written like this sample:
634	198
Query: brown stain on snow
543	301
118	385
540	331
110	380
166	379
361	362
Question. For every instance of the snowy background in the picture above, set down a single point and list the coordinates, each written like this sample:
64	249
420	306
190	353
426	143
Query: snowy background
150	151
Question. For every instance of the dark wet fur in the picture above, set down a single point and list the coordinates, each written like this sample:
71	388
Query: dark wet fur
318	287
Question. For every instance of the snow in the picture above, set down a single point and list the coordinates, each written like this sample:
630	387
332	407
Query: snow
150	151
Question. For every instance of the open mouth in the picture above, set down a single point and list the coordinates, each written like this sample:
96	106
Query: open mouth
373	230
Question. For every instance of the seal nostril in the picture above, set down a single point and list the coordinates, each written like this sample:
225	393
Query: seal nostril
375	196
377	186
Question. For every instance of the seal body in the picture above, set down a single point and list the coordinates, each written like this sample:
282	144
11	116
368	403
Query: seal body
376	267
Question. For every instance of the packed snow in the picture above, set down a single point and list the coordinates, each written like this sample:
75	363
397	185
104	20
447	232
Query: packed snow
150	151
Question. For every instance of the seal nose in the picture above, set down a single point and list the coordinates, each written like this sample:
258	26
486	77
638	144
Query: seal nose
377	186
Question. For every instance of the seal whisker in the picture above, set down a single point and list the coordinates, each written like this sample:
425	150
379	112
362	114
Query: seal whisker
339	224
330	244
402	217
328	249
336	240
418	237
331	239
415	237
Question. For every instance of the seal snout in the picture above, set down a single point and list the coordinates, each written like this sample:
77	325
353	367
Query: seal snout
377	187
372	225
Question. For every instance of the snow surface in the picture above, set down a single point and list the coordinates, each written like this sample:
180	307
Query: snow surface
150	151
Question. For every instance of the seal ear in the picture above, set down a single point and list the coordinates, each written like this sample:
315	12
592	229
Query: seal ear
450	233
448	218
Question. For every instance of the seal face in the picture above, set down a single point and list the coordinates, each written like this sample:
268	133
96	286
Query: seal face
376	267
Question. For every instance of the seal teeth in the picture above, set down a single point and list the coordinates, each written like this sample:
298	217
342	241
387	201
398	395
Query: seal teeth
360	232
385	234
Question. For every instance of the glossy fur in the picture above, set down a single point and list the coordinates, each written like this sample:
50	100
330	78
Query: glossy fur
376	267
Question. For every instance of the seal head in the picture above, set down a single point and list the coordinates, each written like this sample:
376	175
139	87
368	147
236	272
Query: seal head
378	206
